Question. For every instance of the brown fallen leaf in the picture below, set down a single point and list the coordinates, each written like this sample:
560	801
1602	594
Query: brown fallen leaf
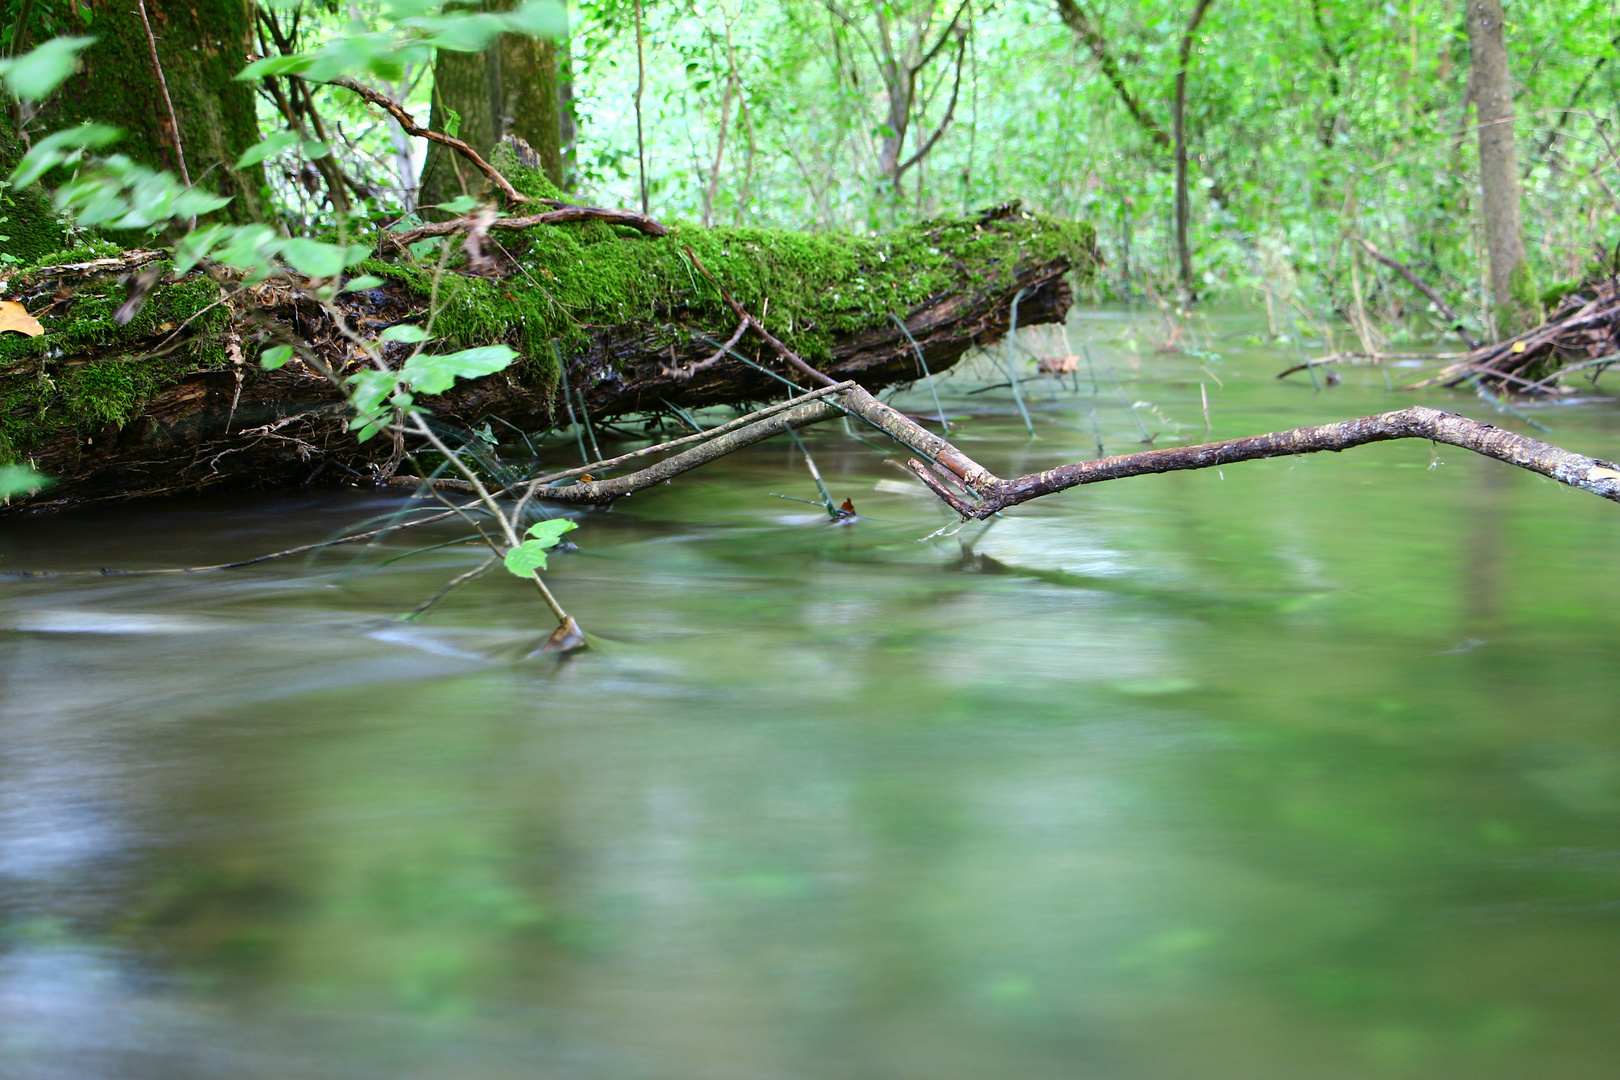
1059	365
13	316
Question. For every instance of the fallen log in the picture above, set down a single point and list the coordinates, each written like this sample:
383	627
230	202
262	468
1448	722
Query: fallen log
167	397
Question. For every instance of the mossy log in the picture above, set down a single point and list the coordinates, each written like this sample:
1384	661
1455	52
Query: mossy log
173	400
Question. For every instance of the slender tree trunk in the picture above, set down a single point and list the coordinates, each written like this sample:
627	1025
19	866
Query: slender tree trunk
1178	127
1513	290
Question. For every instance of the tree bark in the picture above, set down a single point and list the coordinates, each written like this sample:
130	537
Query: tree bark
463	106
529	104
201	45
1513	291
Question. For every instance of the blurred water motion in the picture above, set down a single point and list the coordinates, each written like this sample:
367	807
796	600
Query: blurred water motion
1305	770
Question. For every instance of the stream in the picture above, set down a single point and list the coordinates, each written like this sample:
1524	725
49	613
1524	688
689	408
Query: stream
1307	769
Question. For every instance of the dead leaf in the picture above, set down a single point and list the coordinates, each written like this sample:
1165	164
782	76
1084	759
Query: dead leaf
13	316
1059	365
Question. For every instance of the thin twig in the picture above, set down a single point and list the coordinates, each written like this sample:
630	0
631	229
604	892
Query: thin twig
458	580
163	84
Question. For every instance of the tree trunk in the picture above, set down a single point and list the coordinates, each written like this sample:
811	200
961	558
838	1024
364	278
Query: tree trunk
530	106
173	401
201	45
1178	127
463	106
1513	290
508	89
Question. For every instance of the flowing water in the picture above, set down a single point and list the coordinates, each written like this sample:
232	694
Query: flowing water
1308	769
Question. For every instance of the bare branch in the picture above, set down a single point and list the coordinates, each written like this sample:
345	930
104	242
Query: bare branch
1422	287
950	112
1074	16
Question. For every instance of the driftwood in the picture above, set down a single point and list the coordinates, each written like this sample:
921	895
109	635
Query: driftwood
1584	332
975	493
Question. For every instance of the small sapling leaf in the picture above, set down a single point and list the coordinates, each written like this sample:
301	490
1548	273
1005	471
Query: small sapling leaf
35	74
526	558
550	531
314	258
275	356
20	480
267	147
406	332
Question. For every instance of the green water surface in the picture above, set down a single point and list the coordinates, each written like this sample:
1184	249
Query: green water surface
1309	770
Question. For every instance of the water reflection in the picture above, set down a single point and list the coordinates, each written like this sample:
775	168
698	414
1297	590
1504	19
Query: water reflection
1184	776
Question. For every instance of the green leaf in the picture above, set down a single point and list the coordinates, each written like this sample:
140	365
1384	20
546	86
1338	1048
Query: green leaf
60	148
370	390
549	532
423	248
526	558
275	356
314	258
21	480
267	147
34	75
314	149
406	332
275	65
539	18
436	374
363	282
461	204
453	124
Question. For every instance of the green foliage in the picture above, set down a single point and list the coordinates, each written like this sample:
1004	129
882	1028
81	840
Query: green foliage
35	74
373	393
20	480
412	28
1308	124
529	556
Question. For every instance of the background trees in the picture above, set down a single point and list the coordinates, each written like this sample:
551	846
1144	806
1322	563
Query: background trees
1216	146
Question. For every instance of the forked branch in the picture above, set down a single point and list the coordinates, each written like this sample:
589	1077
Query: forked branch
975	493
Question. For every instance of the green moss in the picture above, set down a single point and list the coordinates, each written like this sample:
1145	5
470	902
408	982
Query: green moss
571	279
29	229
531	182
39	396
94	249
